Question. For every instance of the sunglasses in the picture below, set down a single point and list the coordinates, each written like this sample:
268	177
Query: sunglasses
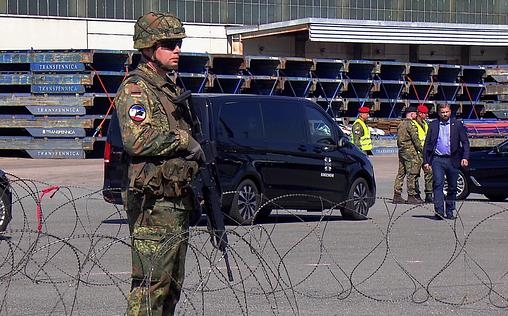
170	44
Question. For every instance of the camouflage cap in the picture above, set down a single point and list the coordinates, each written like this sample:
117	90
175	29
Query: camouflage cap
156	26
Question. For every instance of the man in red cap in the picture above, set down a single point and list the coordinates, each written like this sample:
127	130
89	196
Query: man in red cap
360	132
422	126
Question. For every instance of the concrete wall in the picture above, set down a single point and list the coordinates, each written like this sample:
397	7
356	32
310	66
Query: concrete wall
270	46
21	33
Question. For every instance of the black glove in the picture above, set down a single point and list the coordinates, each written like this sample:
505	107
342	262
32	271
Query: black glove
196	153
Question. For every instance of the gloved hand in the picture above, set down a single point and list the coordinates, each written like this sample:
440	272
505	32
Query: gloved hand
196	153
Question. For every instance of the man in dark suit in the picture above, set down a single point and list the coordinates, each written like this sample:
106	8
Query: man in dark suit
446	149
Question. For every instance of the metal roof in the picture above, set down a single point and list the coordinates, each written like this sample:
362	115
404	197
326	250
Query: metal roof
363	31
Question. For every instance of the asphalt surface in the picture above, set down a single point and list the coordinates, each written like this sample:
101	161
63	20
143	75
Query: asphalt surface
398	262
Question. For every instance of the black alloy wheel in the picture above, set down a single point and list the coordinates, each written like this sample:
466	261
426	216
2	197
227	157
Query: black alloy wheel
356	206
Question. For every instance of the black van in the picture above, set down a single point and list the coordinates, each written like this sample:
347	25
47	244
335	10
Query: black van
273	152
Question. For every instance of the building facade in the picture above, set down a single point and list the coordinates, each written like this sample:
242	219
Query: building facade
255	12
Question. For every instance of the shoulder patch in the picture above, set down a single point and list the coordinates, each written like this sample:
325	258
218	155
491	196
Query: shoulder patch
137	113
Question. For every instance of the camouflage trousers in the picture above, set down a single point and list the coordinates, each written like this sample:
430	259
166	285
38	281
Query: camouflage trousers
409	168
159	233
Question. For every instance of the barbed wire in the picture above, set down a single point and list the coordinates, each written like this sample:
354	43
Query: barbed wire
67	250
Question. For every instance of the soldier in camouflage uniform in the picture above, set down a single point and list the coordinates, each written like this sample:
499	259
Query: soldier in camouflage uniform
163	158
410	162
360	132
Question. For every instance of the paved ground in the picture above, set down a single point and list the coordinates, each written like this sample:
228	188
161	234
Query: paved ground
89	171
84	172
399	262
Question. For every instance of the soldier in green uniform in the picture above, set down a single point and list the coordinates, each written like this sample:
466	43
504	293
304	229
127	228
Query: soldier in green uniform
410	149
360	131
163	158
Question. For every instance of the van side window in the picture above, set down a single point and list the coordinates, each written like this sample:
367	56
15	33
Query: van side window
240	121
320	129
283	122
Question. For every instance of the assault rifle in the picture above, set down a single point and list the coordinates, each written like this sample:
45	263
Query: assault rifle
206	185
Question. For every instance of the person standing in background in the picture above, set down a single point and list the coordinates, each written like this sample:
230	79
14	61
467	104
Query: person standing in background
410	148
360	131
422	126
446	149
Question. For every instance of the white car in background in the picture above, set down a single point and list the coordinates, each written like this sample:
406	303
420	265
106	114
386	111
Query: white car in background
346	129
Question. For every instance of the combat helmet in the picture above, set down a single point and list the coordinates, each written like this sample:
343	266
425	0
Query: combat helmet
156	26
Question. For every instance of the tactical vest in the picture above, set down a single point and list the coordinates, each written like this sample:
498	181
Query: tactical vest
163	176
422	131
365	140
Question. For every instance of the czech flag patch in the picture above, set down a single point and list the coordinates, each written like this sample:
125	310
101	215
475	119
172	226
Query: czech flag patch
137	113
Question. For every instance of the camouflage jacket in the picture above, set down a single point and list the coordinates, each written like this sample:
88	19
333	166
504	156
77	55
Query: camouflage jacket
146	130
407	138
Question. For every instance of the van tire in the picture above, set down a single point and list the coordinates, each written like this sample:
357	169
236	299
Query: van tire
356	206
245	204
462	187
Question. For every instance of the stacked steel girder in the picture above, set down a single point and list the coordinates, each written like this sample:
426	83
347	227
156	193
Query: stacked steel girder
56	104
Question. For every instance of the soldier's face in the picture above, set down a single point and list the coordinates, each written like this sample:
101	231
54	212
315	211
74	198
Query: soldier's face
168	53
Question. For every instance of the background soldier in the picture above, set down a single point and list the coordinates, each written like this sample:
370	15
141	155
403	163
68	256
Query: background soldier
422	126
410	148
162	160
360	132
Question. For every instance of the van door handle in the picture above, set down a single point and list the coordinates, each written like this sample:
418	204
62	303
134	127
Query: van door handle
302	148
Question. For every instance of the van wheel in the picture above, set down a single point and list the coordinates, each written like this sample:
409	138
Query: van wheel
5	211
357	204
462	188
245	202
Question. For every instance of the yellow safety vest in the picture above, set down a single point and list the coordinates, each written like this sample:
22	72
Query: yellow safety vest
422	131
365	140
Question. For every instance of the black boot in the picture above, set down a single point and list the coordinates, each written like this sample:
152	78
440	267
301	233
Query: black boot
414	199
397	199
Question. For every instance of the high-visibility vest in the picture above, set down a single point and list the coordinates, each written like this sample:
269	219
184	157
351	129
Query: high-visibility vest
422	131
365	140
